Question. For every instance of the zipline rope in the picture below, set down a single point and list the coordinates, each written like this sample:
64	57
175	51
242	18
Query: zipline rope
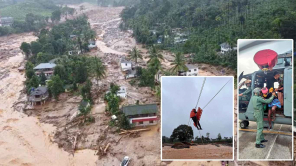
215	95
200	92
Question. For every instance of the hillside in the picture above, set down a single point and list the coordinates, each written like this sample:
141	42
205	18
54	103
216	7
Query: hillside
19	10
205	24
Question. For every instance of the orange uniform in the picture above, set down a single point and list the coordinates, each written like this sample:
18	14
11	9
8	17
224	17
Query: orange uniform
199	112
192	113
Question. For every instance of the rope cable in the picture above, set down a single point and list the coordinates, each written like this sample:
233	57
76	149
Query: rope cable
200	92
215	95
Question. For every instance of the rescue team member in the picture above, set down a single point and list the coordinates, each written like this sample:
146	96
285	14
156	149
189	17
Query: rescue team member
195	116
247	93
257	102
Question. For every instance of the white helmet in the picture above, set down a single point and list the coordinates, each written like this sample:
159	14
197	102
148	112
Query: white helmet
256	91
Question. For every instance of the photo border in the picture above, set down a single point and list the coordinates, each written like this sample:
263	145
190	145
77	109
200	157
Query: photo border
233	127
237	136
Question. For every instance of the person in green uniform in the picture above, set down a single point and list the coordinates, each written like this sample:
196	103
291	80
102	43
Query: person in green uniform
257	102
247	93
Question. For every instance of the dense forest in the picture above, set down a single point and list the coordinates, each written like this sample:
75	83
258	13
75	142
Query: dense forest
205	24
55	44
32	15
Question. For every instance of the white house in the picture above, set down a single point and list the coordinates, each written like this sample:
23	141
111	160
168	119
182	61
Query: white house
122	92
225	47
125	65
141	115
192	70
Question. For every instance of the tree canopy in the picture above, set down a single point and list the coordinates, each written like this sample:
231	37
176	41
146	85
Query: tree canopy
182	133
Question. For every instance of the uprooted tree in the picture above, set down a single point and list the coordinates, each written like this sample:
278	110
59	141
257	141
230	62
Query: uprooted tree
182	133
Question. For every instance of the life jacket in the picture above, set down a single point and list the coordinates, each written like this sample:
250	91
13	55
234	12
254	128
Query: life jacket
199	112
193	113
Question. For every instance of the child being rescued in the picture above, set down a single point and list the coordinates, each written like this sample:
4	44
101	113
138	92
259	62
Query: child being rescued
266	94
195	116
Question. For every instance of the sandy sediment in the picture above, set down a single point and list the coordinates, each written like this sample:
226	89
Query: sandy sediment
198	152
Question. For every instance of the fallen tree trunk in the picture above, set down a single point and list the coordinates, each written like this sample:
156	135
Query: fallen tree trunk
133	131
105	150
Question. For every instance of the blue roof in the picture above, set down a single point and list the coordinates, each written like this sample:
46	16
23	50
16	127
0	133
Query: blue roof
45	66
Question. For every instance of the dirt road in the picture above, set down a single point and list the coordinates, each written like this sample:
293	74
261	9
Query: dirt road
198	152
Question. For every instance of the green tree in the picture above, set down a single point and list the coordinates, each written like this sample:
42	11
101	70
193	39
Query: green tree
182	133
56	16
60	71
80	73
56	86
134	54
29	70
83	108
98	69
154	54
26	48
32	83
42	78
179	64
123	122
36	47
86	91
219	137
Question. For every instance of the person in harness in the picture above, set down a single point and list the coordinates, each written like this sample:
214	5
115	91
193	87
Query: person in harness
195	116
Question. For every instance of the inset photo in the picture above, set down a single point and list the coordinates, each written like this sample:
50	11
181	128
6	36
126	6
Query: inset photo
197	118
265	90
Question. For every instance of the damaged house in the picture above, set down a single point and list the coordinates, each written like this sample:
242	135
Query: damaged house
127	67
225	47
38	95
122	92
92	45
141	115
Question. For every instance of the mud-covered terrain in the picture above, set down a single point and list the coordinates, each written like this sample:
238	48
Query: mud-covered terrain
198	152
49	132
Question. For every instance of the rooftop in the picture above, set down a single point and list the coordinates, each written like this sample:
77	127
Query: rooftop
45	66
124	61
226	45
39	91
190	66
139	109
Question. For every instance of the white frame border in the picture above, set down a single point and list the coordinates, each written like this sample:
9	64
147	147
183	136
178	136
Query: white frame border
232	77
237	136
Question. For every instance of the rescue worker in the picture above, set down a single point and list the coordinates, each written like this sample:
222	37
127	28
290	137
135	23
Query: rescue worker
247	93
195	116
257	102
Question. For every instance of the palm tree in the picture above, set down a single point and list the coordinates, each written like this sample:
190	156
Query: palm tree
154	54
99	69
135	54
179	63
